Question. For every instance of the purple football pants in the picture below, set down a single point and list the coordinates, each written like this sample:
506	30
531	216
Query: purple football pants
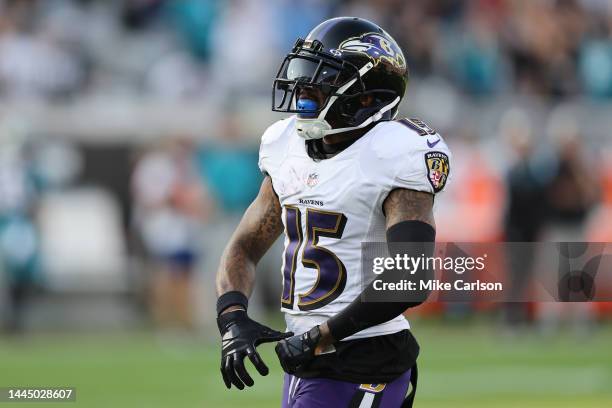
326	393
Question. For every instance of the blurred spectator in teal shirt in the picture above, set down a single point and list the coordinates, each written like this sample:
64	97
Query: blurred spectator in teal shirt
229	166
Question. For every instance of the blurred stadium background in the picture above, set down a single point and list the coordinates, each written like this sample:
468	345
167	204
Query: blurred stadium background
129	133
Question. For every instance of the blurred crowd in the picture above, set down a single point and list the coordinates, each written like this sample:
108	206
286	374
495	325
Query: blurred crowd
188	48
520	90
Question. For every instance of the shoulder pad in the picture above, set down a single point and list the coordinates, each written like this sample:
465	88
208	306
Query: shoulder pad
276	130
401	137
411	155
274	143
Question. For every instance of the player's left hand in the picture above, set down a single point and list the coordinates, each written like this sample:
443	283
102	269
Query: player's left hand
298	350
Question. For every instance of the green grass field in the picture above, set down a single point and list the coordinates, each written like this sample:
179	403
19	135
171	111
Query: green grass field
471	366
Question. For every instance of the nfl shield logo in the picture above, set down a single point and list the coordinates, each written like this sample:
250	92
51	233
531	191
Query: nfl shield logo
312	180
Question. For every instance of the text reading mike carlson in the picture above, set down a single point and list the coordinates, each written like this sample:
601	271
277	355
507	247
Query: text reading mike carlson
493	272
421	267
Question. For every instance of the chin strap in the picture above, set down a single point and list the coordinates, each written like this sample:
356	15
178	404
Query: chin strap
317	128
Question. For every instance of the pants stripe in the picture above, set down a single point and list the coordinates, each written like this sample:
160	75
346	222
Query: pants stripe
295	387
290	393
367	401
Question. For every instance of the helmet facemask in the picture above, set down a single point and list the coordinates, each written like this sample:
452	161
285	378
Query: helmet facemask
341	84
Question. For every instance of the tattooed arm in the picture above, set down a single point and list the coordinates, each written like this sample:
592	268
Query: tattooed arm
408	205
409	218
240	335
260	226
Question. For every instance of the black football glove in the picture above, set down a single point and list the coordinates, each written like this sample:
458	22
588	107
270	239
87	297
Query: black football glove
239	338
297	351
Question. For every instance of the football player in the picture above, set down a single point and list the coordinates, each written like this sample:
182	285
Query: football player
338	172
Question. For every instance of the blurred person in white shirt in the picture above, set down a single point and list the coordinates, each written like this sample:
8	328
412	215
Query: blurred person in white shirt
170	207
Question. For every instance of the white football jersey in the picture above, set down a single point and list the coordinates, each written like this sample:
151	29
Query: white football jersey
331	206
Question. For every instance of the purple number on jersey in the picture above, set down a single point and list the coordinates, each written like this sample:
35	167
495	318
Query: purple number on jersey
331	277
422	128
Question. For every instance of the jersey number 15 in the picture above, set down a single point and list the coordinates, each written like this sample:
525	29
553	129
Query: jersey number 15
331	273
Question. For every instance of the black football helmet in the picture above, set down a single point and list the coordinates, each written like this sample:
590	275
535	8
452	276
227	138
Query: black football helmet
345	58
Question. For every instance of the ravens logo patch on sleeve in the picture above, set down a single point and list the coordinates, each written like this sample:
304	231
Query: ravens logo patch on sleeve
438	168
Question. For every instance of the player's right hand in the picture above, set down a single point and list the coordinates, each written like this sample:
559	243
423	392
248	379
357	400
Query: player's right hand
239	338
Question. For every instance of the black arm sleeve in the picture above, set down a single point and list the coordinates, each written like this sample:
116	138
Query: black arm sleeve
360	315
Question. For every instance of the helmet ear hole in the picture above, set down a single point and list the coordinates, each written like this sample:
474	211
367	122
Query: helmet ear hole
366	100
352	111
